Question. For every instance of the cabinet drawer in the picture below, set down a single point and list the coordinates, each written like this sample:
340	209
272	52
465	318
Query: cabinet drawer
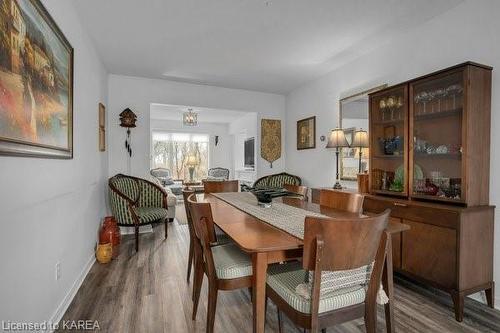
415	211
430	252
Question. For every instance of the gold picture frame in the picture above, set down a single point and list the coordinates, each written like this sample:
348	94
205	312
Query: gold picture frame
306	133
36	80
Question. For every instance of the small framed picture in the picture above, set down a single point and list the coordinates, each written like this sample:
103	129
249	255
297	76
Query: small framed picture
102	127
306	133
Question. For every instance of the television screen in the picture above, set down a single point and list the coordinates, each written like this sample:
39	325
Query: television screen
250	153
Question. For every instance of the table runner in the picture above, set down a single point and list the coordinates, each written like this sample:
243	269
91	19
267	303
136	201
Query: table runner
285	217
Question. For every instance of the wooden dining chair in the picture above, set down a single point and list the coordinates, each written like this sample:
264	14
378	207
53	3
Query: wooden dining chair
220	236
226	266
301	191
348	201
185	194
319	293
221	186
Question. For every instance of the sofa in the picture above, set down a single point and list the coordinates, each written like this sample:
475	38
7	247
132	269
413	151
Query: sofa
218	174
277	180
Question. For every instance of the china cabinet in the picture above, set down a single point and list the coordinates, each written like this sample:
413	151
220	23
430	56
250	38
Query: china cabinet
429	163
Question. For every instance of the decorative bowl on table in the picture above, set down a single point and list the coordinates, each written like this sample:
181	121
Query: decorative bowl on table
265	196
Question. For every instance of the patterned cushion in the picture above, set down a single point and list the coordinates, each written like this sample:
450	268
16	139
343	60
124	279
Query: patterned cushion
331	281
150	214
285	278
230	262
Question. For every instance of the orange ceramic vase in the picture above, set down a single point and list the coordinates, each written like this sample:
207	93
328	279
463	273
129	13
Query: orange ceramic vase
104	252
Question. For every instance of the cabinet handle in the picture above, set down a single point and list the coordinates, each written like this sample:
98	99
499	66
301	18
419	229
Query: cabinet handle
400	204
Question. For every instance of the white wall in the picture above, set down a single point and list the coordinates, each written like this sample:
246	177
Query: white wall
218	156
470	31
138	93
51	208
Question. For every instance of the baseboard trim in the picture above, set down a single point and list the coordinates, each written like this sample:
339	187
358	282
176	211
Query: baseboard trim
63	306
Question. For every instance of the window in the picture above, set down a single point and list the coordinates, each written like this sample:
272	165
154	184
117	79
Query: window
171	151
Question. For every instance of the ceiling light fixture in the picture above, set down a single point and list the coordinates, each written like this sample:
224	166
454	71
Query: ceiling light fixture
190	118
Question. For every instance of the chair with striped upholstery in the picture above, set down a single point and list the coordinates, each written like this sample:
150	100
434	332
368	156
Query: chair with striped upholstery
277	180
339	277
226	266
136	202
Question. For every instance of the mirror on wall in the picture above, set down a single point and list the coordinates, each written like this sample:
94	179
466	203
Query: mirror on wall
354	120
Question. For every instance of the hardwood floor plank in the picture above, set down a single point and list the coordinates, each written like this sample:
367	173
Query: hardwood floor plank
147	292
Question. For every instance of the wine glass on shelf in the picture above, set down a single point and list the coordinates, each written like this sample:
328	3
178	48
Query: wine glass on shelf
440	94
454	90
399	104
431	95
382	105
391	103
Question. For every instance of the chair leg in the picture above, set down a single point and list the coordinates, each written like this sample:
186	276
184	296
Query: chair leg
136	238
212	304
190	259
280	322
166	229
371	321
197	283
323	330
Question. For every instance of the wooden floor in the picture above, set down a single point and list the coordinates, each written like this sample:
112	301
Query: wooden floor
147	292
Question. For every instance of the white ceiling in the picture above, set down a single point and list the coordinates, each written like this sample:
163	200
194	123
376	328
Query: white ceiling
205	115
272	46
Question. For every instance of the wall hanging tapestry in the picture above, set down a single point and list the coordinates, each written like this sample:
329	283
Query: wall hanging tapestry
36	83
270	142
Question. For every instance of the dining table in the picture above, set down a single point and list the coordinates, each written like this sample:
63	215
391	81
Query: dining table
267	244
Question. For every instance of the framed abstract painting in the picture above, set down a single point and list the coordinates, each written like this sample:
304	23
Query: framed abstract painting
36	83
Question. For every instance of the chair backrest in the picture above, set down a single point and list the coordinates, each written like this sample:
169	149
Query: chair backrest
160	173
125	186
219	173
277	180
348	201
347	243
217	187
201	214
298	189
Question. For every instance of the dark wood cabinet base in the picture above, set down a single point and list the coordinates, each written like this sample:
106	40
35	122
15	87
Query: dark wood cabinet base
447	247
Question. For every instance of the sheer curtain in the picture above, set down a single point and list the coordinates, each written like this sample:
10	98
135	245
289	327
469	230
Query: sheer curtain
171	151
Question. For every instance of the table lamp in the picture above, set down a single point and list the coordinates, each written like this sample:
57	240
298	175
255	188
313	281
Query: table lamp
337	140
192	162
360	141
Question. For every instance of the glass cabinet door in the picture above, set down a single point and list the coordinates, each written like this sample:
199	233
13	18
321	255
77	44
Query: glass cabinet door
436	109
389	124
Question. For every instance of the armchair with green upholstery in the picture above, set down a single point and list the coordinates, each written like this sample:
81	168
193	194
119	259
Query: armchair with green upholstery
277	180
136	202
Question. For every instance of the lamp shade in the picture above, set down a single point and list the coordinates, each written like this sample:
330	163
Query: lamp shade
337	139
360	139
192	160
